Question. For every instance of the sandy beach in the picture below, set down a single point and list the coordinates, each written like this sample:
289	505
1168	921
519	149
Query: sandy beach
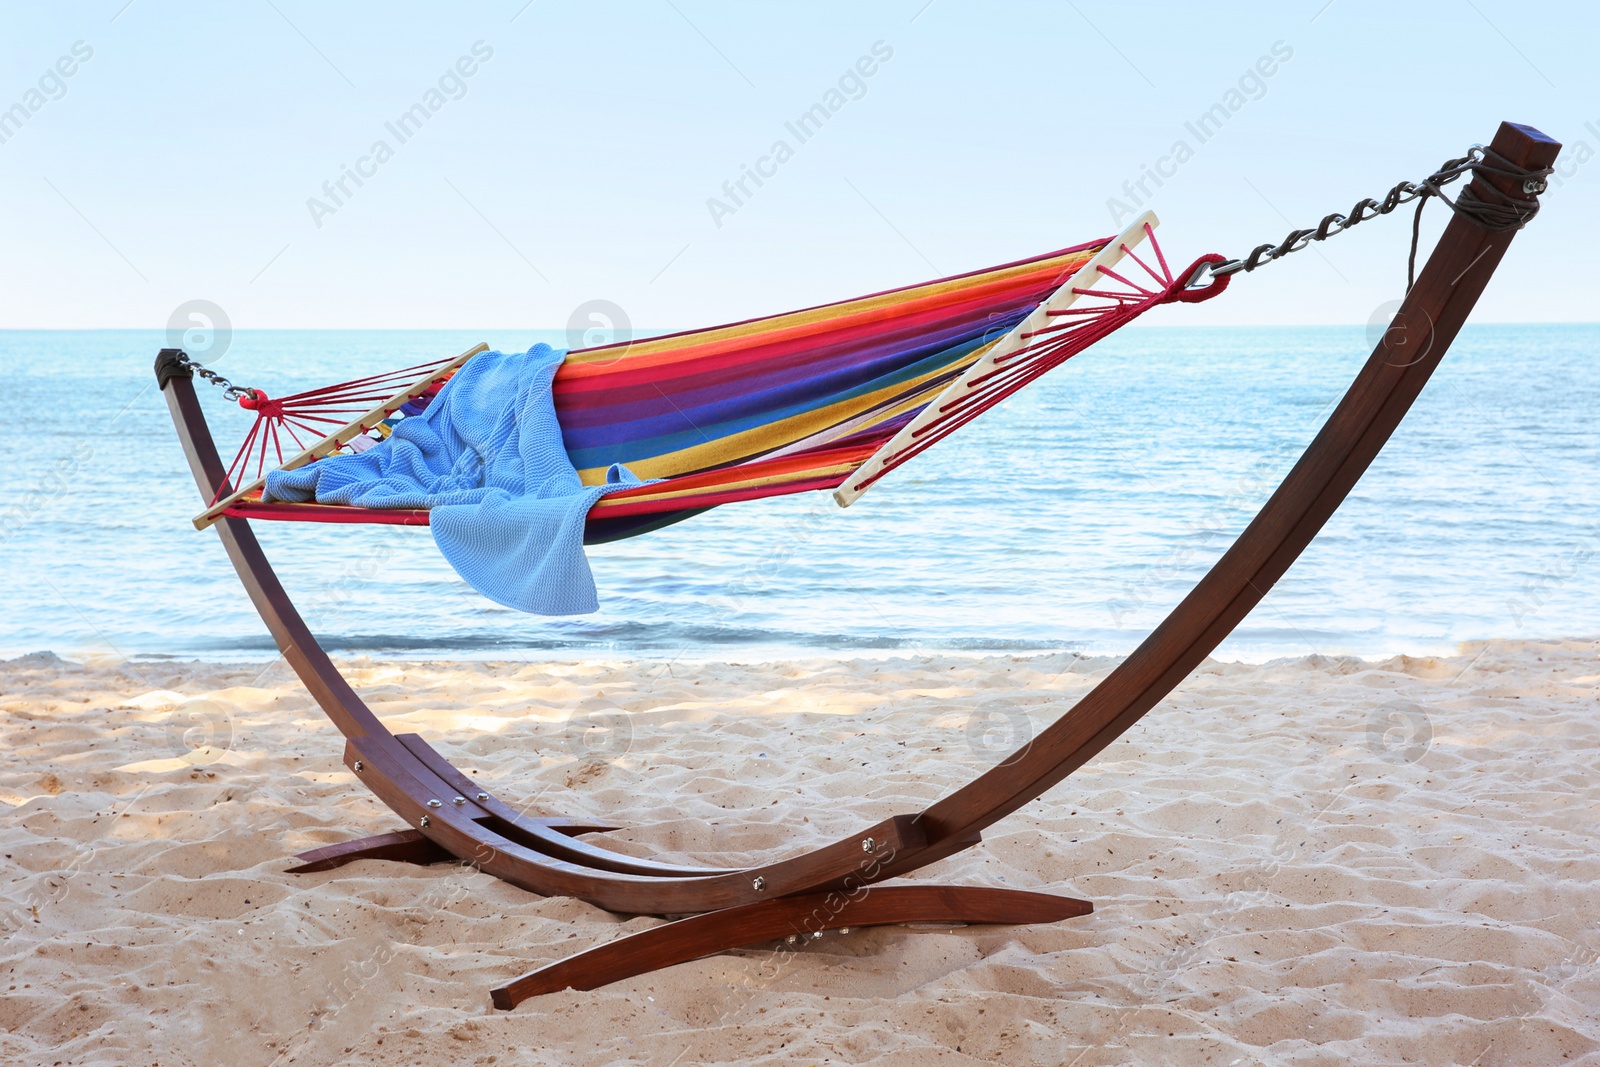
1312	861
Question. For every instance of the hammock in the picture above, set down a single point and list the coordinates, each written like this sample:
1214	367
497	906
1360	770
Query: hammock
836	397
771	406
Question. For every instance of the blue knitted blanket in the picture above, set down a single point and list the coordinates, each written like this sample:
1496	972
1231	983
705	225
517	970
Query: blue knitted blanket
506	505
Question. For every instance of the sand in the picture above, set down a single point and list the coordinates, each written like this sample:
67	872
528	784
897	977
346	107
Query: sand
1316	861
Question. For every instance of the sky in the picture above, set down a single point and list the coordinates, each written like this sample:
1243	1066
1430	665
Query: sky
558	154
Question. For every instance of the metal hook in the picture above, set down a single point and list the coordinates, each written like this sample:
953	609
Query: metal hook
1214	271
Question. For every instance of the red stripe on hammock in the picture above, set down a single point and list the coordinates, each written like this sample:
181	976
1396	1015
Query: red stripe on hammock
620	503
340	513
728	496
252	509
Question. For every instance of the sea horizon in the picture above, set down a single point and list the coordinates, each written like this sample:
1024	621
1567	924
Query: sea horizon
1070	519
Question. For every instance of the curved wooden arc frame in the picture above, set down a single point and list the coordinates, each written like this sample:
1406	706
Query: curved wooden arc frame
1429	318
452	816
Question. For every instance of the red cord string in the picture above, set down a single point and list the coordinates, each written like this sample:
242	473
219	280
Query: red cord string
1053	345
315	411
371	381
1141	290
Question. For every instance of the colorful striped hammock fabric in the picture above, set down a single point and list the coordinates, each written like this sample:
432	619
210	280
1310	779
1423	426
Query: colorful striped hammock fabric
791	402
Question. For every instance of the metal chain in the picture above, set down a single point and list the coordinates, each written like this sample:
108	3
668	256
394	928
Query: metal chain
1503	213
229	390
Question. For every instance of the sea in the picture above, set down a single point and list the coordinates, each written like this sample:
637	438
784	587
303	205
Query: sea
1071	518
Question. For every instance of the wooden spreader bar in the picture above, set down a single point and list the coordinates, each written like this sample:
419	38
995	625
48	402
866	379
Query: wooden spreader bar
450	817
328	444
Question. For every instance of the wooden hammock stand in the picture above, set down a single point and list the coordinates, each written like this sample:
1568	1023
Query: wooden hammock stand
452	818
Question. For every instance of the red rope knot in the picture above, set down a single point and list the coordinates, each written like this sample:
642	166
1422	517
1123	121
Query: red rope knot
257	401
1179	290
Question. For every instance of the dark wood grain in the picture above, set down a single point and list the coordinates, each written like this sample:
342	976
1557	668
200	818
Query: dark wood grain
536	834
802	916
401	846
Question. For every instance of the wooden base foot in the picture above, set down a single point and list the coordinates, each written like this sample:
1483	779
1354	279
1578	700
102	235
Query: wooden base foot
404	846
801	915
